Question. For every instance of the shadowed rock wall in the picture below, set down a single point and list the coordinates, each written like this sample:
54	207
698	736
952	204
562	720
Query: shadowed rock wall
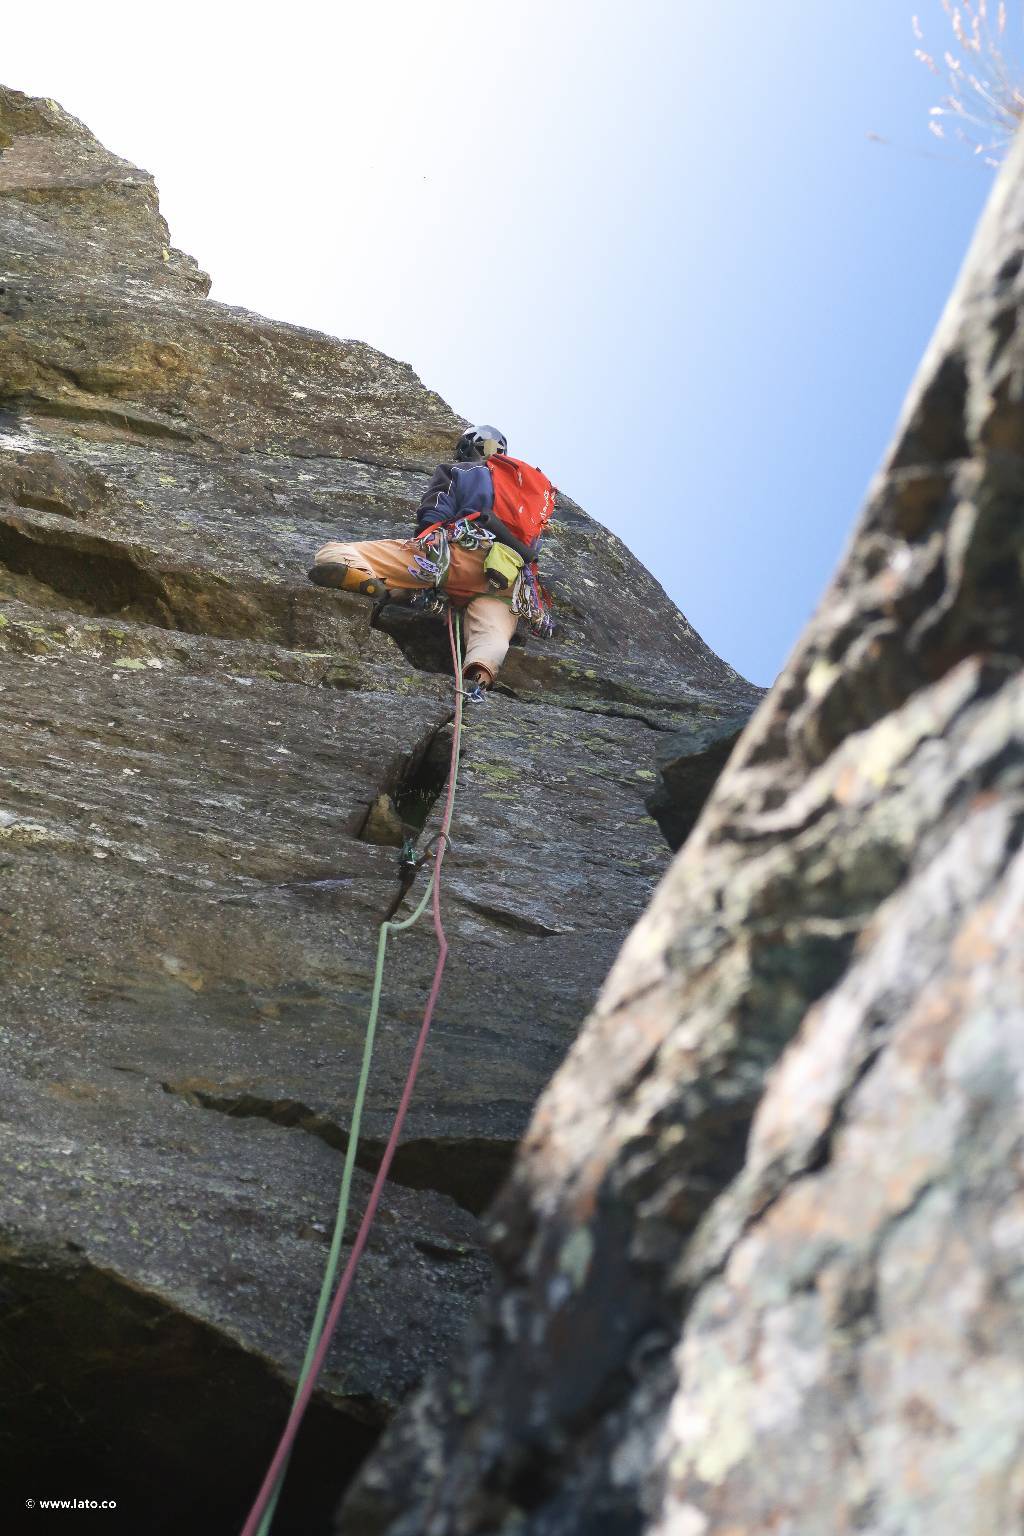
761	1258
191	739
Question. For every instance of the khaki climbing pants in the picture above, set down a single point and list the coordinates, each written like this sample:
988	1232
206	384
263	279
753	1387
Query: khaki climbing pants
488	623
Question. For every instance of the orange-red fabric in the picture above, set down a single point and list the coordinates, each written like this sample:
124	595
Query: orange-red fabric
524	498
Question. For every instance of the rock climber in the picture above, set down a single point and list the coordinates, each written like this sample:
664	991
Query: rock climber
479	525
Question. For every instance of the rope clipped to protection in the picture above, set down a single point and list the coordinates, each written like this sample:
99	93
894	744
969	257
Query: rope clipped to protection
329	1311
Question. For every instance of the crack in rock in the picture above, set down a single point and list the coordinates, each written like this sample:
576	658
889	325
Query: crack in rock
469	1170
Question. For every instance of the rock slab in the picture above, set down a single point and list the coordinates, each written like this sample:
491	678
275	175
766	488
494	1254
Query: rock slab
193	739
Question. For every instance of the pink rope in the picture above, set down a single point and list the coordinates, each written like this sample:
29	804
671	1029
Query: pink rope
301	1403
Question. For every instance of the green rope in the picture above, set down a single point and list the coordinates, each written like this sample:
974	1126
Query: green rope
334	1257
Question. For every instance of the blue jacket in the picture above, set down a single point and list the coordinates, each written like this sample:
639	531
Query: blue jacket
454	490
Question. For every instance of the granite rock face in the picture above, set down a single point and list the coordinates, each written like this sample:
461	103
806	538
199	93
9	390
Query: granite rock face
761	1256
206	762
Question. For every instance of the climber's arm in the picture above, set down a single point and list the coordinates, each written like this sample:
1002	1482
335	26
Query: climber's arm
438	503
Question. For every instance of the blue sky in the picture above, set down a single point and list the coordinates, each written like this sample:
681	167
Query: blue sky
654	244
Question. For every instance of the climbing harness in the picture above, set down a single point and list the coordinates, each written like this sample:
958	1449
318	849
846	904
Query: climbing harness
328	1311
431	551
432	548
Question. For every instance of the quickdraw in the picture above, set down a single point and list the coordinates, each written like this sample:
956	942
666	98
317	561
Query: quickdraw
431	551
432	548
536	607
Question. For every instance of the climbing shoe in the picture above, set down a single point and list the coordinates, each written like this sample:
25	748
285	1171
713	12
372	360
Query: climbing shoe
478	681
345	579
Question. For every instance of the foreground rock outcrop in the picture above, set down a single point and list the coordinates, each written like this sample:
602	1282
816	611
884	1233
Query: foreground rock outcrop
762	1252
192	738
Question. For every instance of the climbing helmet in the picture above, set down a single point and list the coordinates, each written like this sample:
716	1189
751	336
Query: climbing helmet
479	443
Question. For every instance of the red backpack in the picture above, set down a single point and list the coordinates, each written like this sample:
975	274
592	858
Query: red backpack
524	498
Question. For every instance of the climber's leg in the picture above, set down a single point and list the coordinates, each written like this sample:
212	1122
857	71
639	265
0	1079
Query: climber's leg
489	625
489	621
373	566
